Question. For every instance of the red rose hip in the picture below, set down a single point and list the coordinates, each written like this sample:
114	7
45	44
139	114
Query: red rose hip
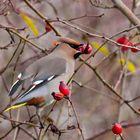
58	96
117	129
124	48
135	49
124	41
63	88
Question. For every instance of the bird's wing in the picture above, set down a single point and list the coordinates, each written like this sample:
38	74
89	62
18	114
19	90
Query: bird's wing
43	70
36	85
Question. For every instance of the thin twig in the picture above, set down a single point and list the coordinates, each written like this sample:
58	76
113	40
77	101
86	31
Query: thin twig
97	35
111	88
28	41
103	6
85	16
28	133
121	137
78	124
20	122
41	16
9	131
127	12
11	57
17	128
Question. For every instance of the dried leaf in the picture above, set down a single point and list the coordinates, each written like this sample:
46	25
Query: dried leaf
130	66
104	50
30	24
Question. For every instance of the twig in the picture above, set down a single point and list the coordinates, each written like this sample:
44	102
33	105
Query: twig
119	80
85	16
97	35
60	113
17	128
28	133
127	12
99	134
121	137
20	122
41	16
105	58
111	89
19	55
22	63
11	57
8	132
78	124
132	100
13	30
6	46
41	134
28	41
122	79
104	6
95	90
4	83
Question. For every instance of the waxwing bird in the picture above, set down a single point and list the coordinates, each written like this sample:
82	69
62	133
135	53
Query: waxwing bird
46	74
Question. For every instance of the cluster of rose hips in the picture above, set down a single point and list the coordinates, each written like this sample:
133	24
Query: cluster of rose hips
125	41
64	92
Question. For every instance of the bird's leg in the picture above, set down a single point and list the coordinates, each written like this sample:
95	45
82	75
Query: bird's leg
37	113
59	135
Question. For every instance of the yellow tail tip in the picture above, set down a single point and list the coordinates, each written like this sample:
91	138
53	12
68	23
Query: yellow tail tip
15	106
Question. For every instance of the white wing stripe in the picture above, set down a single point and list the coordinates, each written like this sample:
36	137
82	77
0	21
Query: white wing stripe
50	78
14	85
19	76
37	82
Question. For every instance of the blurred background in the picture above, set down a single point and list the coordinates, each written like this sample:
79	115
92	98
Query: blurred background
97	108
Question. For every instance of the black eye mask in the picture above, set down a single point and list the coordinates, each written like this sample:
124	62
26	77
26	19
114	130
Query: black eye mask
76	47
77	55
86	49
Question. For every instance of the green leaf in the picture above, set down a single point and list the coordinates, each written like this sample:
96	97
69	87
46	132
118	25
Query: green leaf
30	24
104	50
130	66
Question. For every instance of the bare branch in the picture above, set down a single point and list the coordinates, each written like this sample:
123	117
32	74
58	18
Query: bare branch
127	12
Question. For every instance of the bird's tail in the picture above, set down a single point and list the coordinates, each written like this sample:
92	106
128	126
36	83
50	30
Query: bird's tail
15	106
15	87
